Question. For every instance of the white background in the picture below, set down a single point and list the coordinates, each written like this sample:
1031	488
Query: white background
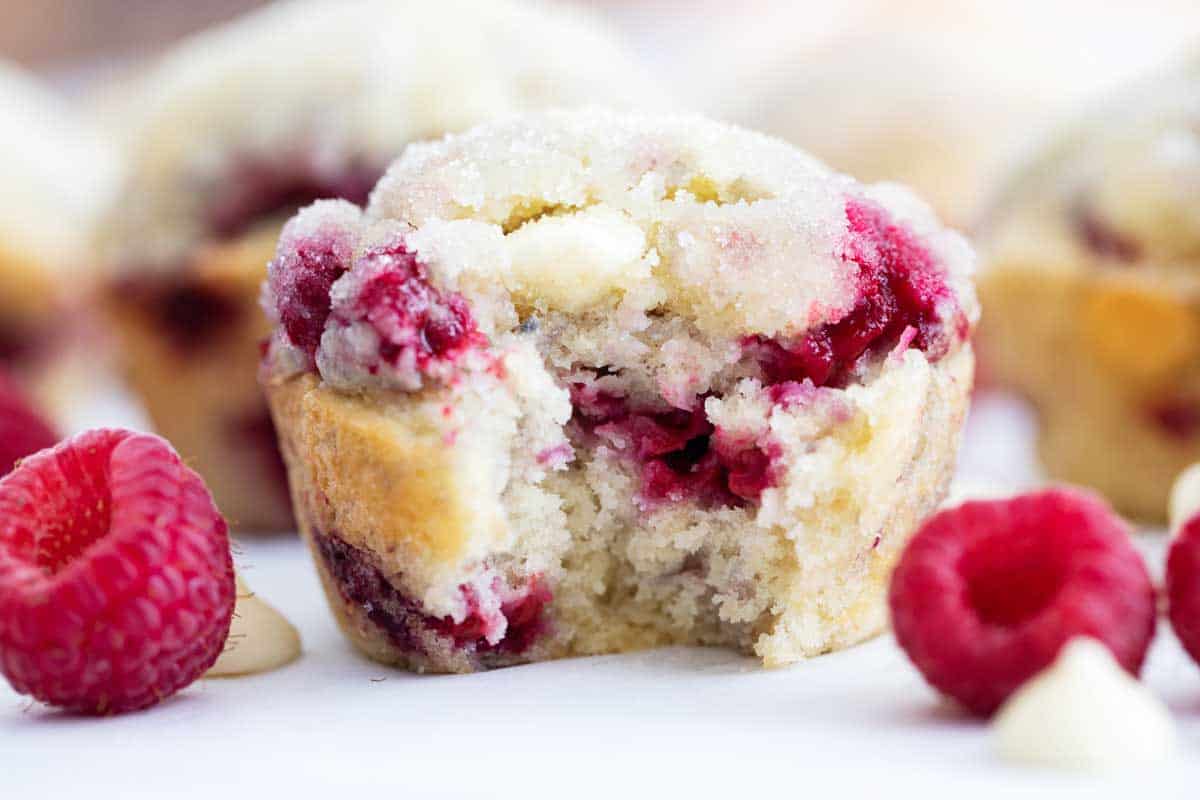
678	723
673	723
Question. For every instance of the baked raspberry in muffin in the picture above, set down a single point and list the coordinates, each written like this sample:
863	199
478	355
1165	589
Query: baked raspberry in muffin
241	126
1092	294
585	382
56	171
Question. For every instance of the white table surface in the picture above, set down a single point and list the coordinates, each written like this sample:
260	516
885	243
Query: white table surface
680	722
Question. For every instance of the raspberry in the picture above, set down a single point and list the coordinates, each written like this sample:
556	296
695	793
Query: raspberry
682	456
403	618
417	324
522	615
986	593
901	286
301	280
116	582
1183	586
22	430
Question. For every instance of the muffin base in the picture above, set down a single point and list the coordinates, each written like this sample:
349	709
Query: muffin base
1102	356
359	471
203	396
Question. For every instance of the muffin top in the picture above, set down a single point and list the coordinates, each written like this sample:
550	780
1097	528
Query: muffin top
313	98
56	172
596	214
1121	187
928	92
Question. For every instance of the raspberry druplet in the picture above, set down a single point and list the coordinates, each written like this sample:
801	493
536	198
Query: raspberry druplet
116	580
986	593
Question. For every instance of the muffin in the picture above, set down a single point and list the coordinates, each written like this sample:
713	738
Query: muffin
584	382
930	93
1092	293
239	127
56	170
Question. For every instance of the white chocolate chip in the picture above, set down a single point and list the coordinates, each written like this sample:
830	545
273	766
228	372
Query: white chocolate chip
260	638
1185	497
1084	712
549	257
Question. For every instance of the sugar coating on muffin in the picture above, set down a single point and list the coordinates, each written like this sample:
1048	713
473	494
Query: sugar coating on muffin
237	128
580	382
1094	295
307	99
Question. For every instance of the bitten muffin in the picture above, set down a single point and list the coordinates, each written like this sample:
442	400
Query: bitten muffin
585	382
1092	294
56	170
241	126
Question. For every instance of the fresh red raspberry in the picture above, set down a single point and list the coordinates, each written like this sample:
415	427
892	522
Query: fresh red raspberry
986	593
22	430
1183	586
116	582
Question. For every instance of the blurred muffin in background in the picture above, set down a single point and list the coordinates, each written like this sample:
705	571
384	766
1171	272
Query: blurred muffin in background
1091	293
239	126
56	172
931	93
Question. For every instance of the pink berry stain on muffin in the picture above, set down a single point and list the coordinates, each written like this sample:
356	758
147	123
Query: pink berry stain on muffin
302	284
192	313
418	326
512	628
684	457
1177	417
900	288
650	366
1101	238
681	455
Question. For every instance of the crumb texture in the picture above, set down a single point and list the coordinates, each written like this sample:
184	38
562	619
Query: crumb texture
235	129
582	382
